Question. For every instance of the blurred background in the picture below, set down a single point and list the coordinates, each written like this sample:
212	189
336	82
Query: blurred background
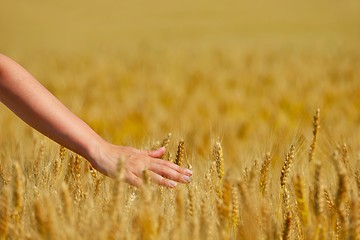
110	25
248	73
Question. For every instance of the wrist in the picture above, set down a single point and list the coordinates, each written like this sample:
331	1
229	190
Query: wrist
94	150
100	155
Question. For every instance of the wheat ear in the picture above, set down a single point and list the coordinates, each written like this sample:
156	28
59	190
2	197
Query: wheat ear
316	125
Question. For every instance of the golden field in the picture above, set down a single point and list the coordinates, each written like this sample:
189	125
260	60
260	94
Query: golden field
240	82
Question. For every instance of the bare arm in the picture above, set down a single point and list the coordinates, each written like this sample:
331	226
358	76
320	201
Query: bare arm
35	105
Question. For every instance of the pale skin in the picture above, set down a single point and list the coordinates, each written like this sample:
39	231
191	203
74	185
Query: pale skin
40	109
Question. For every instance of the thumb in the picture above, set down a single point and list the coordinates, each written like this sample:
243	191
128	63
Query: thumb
157	153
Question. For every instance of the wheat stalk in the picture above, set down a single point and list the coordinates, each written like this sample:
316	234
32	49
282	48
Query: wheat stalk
316	125
219	160
329	201
285	171
2	175
67	203
59	161
300	197
4	213
43	219
318	190
165	142
235	207
264	173
18	192
286	234
180	154
357	178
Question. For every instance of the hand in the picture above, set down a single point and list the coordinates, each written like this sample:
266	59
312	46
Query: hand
136	161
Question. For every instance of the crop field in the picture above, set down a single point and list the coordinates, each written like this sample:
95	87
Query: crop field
260	98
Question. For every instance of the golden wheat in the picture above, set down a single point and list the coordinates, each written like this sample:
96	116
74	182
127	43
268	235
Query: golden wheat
240	96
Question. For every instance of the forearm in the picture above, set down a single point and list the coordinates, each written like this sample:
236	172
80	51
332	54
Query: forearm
35	105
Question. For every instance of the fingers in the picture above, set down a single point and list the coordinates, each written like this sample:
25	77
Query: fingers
155	177
173	166
169	173
156	154
137	181
161	180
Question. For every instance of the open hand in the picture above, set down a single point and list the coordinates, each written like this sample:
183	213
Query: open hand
136	161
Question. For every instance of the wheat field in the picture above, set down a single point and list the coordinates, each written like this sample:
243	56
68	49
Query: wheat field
262	100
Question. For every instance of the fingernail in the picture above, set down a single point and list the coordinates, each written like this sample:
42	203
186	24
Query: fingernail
188	172
172	183
187	179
